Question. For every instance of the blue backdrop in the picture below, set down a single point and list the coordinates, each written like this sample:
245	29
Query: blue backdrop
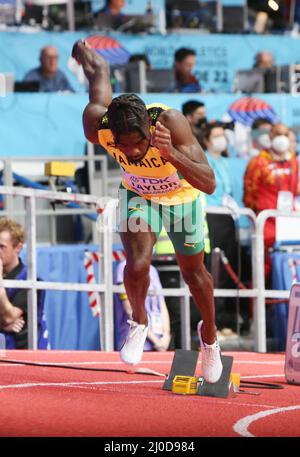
219	56
50	124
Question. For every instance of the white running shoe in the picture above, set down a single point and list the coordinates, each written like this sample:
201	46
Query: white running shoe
132	350
211	358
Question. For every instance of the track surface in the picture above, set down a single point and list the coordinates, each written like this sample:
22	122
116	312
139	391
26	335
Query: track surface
42	401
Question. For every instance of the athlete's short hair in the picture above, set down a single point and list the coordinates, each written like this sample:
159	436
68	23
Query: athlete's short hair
127	114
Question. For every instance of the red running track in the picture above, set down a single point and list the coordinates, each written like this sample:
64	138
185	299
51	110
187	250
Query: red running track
42	401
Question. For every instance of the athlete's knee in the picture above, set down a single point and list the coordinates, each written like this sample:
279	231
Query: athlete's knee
137	267
197	276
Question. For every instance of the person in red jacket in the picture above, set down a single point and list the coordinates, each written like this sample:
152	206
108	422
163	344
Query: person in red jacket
269	173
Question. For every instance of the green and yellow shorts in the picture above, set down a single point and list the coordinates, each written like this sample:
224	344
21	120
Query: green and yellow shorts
183	223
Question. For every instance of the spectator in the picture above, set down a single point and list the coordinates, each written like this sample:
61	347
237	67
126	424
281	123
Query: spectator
48	75
185	81
159	333
221	227
110	16
13	301
113	7
263	59
267	175
260	135
140	57
195	112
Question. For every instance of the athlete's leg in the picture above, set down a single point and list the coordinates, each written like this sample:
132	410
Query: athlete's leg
200	284
187	234
138	247
139	225
187	237
201	287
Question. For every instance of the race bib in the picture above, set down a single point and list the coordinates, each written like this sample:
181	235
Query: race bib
149	186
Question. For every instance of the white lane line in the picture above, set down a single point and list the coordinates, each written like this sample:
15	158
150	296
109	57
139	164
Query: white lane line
241	426
71	384
87	383
264	376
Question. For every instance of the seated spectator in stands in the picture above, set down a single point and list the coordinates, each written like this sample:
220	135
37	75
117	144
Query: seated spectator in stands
185	80
113	7
260	136
112	12
221	227
13	301
159	333
263	59
195	112
266	176
49	76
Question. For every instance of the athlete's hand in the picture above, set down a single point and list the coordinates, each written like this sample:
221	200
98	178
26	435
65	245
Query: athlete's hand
161	139
79	50
90	60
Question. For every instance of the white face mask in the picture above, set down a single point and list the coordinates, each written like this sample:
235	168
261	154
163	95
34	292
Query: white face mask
264	141
280	143
218	144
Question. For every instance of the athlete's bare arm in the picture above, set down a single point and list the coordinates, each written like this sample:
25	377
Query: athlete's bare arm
96	69
177	144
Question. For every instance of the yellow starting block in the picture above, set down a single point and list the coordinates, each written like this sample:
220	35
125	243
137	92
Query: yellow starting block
60	169
235	381
189	385
185	385
182	379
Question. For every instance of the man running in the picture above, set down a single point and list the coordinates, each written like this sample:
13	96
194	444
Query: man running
164	171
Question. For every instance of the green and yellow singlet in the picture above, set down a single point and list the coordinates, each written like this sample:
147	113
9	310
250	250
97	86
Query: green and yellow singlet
153	177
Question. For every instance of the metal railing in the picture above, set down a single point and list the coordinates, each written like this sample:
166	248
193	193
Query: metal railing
105	267
107	288
183	292
98	184
257	292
